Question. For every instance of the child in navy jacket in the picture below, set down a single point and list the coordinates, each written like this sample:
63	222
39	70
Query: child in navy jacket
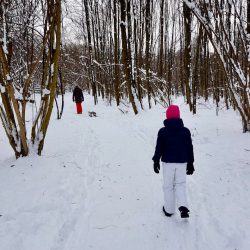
174	148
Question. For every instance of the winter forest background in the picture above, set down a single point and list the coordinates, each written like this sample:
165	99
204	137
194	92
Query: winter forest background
121	51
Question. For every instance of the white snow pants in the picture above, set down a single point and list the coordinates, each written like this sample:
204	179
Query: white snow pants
174	185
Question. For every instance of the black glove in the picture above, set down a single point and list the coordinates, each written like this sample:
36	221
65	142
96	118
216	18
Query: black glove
190	168
156	167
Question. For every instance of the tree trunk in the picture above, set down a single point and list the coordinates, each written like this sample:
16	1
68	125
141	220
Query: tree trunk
187	52
147	52
55	40
117	94
125	56
91	65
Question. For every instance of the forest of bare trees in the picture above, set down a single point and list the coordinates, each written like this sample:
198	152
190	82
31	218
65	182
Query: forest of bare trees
155	49
124	51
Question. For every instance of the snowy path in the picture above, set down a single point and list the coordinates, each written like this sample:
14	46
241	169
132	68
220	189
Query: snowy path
94	187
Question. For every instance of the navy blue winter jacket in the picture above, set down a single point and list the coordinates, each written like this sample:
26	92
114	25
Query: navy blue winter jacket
174	143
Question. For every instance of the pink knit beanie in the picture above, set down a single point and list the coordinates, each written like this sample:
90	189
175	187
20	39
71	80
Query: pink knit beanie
173	111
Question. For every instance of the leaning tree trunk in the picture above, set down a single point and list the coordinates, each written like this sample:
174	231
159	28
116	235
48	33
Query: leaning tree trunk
226	49
14	97
54	56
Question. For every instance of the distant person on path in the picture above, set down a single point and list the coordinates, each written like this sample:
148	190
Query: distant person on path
78	99
174	148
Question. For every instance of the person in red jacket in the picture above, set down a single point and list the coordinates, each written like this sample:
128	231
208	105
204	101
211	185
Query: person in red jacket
174	148
78	99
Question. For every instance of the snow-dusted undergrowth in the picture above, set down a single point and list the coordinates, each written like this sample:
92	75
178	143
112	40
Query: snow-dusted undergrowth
94	185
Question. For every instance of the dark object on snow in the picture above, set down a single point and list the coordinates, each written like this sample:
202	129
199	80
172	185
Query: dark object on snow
184	212
157	167
77	95
190	168
166	213
92	113
174	143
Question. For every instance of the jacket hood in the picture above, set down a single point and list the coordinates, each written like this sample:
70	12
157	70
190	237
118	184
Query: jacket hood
175	123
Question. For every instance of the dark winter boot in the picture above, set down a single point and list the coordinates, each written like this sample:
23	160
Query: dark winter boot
167	214
184	212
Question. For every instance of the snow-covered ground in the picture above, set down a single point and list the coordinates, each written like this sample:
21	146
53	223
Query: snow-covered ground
94	185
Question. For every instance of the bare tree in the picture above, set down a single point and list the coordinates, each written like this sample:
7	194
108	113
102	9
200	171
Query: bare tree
22	49
92	75
147	50
125	56
187	52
